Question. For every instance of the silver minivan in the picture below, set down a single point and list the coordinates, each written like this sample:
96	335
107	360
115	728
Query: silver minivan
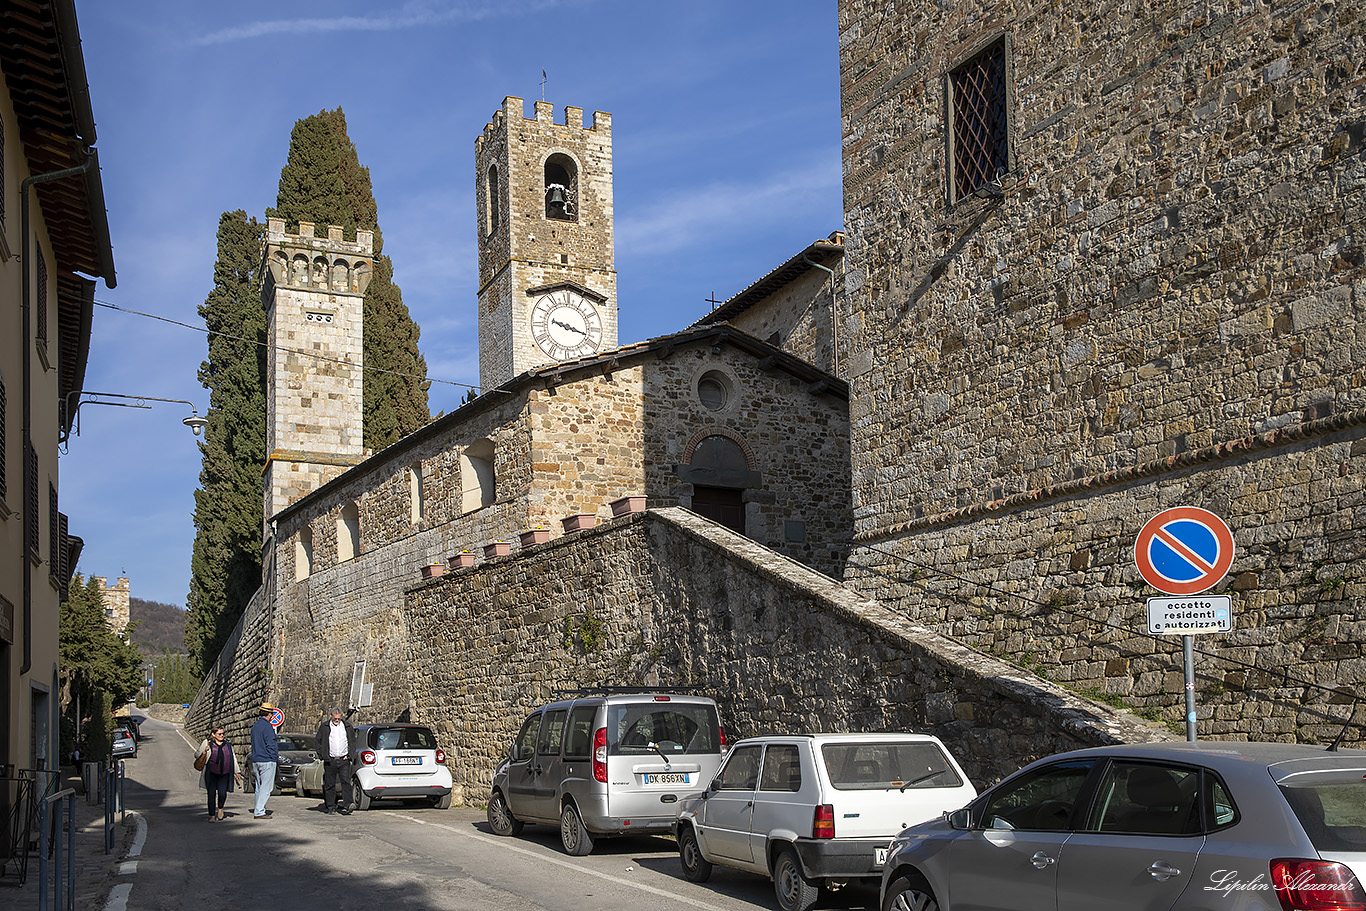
606	762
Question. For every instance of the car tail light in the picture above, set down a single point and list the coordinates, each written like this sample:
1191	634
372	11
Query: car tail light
440	757
600	755
662	699
367	757
824	824
1316	885
724	745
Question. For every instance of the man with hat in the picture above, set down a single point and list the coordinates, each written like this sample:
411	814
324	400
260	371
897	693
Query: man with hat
265	753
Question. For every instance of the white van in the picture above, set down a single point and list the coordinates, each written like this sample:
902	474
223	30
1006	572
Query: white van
821	807
611	761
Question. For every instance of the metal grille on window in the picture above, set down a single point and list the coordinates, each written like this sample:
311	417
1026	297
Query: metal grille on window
41	302
31	499
4	487
54	533
980	136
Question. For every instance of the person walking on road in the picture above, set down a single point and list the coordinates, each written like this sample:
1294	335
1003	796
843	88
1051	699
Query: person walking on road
221	773
265	753
336	744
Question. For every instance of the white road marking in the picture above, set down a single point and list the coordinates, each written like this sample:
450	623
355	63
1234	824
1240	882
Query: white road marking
118	897
141	837
127	868
506	845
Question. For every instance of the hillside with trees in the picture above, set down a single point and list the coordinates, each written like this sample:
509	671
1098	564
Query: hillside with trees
157	627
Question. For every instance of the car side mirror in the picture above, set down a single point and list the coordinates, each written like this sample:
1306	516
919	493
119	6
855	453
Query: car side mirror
960	819
714	786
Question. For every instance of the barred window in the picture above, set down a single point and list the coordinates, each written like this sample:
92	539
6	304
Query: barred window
4	474
54	532
41	302
31	500
979	121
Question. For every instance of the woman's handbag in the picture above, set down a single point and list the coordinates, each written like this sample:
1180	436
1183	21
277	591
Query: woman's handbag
200	760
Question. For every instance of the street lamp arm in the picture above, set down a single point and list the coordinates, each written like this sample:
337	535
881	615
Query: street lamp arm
194	421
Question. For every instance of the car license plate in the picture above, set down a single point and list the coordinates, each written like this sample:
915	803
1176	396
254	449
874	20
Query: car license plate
406	760
879	856
667	778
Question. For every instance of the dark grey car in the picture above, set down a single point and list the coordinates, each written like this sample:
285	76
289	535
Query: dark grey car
1212	826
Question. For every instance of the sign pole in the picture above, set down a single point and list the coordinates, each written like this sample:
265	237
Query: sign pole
1188	656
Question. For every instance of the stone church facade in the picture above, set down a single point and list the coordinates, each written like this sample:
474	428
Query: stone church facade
1109	260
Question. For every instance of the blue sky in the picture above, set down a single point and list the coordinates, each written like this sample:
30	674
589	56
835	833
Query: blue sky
726	144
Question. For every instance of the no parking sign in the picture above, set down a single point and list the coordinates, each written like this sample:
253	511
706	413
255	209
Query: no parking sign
1184	550
277	718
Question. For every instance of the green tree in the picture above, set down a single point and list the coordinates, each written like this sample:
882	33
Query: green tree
225	567
174	684
323	182
94	660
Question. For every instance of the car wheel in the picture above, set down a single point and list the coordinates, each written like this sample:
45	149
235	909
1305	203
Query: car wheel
575	839
441	802
795	892
359	799
696	868
501	820
909	894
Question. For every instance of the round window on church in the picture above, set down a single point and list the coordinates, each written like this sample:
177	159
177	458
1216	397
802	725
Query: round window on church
713	389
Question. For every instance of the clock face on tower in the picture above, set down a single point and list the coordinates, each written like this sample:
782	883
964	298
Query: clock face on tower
566	325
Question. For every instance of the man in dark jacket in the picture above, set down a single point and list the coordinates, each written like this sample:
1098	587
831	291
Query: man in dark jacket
265	753
336	746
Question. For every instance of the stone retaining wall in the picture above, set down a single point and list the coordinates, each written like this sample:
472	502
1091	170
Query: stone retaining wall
781	647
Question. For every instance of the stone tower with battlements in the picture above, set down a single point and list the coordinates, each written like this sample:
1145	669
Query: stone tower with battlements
547	279
313	289
117	609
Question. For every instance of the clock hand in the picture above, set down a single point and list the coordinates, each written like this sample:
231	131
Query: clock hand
568	327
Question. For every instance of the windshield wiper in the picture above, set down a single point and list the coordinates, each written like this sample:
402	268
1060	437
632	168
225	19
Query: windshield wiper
927	776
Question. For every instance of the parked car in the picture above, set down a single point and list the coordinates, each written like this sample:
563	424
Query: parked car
132	723
396	761
605	762
1179	826
297	758
124	746
814	809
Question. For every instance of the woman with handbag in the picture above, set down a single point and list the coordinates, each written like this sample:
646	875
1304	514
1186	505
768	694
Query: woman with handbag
218	770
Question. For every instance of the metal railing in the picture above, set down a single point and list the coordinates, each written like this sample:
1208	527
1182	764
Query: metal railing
30	788
52	838
112	783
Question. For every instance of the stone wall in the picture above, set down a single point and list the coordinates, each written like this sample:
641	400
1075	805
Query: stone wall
781	647
240	680
1159	307
799	318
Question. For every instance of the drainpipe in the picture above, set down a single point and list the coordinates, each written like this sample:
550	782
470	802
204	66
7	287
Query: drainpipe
25	308
834	317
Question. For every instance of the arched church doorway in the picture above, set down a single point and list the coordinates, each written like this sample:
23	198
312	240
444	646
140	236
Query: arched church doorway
720	475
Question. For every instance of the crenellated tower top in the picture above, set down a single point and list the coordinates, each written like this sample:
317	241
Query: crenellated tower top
547	275
305	261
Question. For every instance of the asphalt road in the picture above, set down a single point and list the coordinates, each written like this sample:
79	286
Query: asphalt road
400	859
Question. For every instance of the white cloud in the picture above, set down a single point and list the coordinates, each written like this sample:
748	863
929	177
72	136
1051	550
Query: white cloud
416	14
689	215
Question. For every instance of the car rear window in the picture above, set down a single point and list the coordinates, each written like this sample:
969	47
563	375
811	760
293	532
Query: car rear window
402	739
1332	808
889	764
677	727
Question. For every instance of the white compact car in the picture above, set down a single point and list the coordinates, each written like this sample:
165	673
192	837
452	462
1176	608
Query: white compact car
399	761
810	808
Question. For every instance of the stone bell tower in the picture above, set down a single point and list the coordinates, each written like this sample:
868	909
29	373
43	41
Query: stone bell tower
547	275
313	289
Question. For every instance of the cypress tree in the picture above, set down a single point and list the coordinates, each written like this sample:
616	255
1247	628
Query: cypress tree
324	182
225	568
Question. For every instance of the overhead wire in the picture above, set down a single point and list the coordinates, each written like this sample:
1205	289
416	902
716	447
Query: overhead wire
296	351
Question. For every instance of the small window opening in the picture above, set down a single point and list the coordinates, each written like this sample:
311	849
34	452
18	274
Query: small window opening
491	203
415	493
477	483
303	554
348	533
980	136
561	188
713	390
